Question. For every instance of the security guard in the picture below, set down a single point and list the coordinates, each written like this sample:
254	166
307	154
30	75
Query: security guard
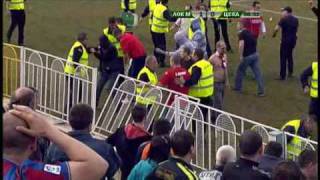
114	24
312	71
79	53
219	6
18	17
160	26
201	81
302	128
148	10
196	22
147	74
129	5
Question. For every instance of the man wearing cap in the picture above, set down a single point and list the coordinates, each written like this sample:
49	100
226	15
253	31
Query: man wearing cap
289	27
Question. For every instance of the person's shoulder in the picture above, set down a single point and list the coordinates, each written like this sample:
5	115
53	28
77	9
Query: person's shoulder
261	174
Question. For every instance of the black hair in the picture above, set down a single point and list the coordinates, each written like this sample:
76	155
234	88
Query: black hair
250	143
160	148
164	2
274	149
306	157
187	50
80	116
138	113
286	170
255	3
82	36
199	53
181	142
161	127
112	20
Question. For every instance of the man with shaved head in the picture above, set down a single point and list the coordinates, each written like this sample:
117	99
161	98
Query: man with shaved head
21	127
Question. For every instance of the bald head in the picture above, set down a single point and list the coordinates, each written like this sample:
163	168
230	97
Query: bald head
151	62
13	140
23	96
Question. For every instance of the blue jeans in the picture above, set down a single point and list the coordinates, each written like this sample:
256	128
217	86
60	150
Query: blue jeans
253	62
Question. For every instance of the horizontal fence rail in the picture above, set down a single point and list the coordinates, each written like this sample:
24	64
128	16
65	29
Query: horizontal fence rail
117	108
57	91
219	128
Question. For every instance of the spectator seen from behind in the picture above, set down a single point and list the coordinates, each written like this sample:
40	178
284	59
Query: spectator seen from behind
21	127
161	127
80	119
287	170
271	157
128	138
308	163
246	167
159	152
178	166
225	154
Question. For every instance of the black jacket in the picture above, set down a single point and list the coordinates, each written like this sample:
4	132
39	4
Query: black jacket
268	162
107	56
244	169
169	170
127	140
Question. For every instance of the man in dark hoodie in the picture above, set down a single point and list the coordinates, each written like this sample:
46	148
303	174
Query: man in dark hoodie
109	66
128	138
271	157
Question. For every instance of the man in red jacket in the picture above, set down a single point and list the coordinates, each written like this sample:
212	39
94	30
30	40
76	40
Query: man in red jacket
132	48
169	77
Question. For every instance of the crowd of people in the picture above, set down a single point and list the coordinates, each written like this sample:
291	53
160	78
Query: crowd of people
33	148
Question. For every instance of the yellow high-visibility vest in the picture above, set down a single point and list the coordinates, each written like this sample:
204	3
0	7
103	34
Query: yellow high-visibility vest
113	40
132	4
152	5
204	88
188	172
314	81
218	6
16	5
294	148
153	79
69	68
202	27
159	23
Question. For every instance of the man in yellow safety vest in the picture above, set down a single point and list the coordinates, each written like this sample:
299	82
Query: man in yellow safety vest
201	82
301	127
129	5
78	54
147	74
148	10
311	71
160	26
219	6
18	18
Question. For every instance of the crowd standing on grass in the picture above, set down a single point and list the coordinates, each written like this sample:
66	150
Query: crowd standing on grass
35	149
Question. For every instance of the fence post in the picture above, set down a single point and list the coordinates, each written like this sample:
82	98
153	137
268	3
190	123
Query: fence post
93	92
176	112
22	65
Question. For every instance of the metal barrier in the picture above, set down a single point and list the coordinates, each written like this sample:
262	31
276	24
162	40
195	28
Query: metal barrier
117	108
57	90
226	130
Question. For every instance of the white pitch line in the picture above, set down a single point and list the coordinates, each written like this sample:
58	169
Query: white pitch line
275	12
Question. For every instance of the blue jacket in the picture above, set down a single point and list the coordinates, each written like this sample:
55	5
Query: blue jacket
141	170
54	154
268	162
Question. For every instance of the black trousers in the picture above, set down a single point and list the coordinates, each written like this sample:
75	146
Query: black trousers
208	48
159	41
71	80
286	58
224	29
18	18
314	107
136	65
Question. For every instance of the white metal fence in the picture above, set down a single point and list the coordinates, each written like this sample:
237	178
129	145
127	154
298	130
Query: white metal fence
117	108
226	130
45	72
